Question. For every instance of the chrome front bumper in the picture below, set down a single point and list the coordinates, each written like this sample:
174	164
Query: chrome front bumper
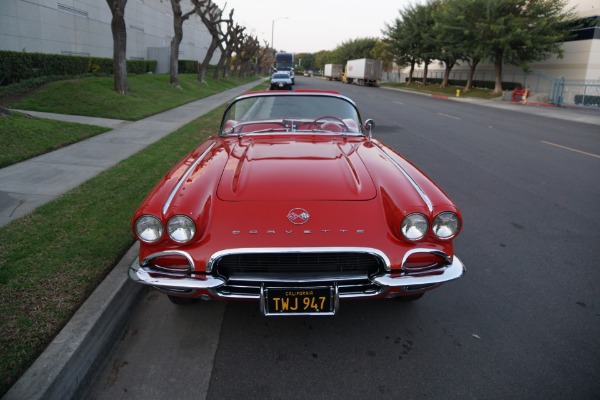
141	274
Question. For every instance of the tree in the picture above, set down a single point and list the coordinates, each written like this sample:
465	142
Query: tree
420	21
458	22
265	58
380	52
308	60
119	33
323	57
521	31
504	31
449	49
249	50
403	40
178	19
232	46
353	49
211	18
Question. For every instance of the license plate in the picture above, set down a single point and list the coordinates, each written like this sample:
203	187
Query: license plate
299	301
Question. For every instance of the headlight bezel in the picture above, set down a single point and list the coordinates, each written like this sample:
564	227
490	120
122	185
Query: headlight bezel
412	222
447	220
181	224
149	223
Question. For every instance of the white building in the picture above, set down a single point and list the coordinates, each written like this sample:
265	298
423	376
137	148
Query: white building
82	27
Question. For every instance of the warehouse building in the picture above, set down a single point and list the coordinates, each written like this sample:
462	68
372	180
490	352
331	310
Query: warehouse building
83	28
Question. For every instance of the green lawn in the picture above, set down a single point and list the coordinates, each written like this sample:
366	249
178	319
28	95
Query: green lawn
94	96
53	258
447	91
24	137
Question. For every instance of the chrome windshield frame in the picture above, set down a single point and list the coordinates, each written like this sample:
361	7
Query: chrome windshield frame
226	132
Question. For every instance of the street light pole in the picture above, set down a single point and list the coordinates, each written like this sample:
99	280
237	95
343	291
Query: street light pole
273	30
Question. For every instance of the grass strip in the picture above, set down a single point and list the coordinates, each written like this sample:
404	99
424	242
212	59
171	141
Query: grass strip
52	259
447	91
24	137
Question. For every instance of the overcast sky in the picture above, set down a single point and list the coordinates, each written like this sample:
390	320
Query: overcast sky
307	26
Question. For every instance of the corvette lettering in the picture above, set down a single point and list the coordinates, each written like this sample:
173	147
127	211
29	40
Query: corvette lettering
291	232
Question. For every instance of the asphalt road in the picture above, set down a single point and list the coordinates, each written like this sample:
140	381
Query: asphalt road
523	323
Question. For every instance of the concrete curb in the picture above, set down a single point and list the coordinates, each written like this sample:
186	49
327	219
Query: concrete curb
82	344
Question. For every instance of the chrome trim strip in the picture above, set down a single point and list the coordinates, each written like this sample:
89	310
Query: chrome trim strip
140	274
167	253
274	277
250	296
438	253
183	178
410	179
452	272
280	250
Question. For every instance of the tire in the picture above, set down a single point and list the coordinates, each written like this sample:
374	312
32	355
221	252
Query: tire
182	301
409	298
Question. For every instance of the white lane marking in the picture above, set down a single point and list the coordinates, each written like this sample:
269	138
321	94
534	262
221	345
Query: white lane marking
449	116
570	149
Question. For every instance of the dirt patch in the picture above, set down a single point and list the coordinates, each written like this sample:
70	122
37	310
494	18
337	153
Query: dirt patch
9	98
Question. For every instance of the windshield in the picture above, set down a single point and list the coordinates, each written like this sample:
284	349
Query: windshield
299	113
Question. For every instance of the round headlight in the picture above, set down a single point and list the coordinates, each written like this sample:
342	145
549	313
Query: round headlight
181	228
414	226
446	225
148	228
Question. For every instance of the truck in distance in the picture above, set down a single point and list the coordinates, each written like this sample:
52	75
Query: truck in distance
333	72
284	62
363	71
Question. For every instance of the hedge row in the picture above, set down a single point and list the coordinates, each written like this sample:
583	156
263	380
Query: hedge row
17	66
477	84
191	67
587	100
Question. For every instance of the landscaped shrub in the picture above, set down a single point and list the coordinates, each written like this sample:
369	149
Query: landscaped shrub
587	100
463	82
187	66
17	66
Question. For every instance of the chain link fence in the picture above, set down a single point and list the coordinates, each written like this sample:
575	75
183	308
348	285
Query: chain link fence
576	93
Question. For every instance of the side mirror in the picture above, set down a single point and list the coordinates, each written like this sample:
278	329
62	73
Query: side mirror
369	126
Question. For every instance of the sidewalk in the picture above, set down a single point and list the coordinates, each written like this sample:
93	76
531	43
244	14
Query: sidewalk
29	184
573	114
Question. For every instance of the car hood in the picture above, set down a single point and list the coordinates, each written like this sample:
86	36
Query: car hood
295	170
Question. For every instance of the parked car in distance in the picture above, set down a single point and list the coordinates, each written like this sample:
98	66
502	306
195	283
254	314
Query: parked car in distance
295	205
281	80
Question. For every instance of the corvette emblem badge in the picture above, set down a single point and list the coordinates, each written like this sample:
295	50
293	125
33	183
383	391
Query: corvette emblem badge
298	216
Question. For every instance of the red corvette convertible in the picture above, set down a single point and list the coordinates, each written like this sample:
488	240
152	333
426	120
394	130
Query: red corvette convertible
296	206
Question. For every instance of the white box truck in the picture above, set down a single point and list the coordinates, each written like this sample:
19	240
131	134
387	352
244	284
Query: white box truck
363	71
333	71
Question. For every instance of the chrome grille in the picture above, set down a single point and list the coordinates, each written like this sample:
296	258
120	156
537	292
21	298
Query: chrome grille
351	271
290	263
